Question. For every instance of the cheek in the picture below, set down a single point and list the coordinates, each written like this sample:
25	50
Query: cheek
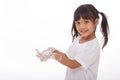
77	28
93	29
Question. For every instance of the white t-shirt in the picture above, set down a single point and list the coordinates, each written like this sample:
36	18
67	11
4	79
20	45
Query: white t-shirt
87	54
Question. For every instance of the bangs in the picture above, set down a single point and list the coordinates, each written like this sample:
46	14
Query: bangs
82	13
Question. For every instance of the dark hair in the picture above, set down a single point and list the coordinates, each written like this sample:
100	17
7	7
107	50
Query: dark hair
88	11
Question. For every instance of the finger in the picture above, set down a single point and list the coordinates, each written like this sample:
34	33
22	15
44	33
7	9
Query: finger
37	55
38	51
41	59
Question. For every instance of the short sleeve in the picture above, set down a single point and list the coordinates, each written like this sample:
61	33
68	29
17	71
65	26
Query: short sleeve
88	56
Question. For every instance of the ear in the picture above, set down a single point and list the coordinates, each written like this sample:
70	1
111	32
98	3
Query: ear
96	22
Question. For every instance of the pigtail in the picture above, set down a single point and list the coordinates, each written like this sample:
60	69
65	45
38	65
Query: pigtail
104	29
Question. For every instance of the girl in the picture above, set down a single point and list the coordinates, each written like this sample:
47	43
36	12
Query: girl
82	57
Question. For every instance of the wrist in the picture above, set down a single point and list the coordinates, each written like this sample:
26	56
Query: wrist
57	57
52	49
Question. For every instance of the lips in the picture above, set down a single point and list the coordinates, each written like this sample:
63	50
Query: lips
83	31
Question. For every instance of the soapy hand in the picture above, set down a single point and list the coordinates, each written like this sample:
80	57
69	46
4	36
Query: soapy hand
46	54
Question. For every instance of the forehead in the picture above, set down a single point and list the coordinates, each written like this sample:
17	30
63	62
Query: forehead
82	19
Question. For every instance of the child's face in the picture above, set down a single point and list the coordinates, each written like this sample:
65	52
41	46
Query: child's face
86	27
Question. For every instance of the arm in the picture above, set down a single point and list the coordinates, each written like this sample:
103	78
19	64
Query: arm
63	59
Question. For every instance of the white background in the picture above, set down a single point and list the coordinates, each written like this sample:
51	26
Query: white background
29	24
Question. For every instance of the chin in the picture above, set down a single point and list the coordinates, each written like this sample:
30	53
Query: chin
83	35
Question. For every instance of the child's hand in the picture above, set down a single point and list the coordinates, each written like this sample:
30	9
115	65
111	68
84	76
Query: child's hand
41	56
46	54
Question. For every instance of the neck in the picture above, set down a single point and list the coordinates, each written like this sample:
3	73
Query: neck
85	39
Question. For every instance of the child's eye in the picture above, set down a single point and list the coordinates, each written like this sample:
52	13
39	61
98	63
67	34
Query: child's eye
77	23
86	21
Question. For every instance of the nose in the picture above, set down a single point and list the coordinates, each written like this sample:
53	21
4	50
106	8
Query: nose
82	25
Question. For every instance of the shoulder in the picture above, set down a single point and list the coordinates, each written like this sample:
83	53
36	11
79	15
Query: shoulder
93	45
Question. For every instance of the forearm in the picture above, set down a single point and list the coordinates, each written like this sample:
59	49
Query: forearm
63	59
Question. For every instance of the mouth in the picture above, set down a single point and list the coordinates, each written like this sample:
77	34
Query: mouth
83	31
